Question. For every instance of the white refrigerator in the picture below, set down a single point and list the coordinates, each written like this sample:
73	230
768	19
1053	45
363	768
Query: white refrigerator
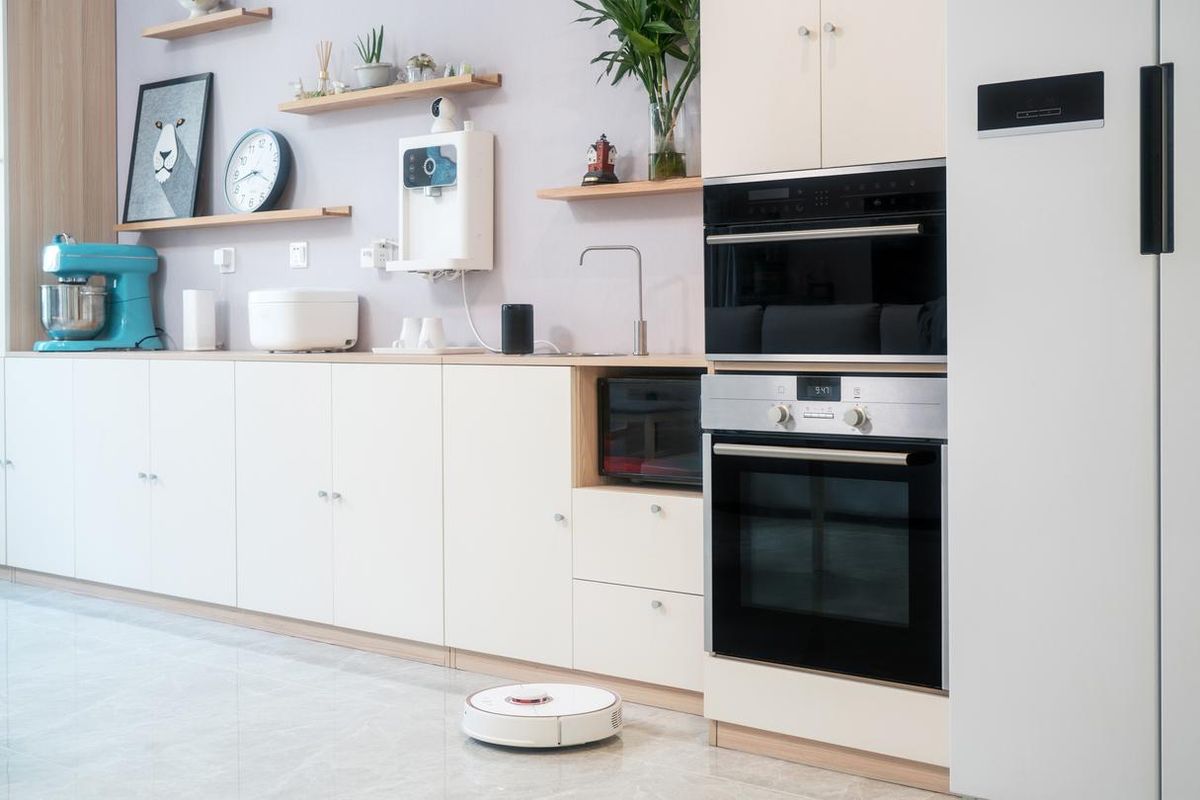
1074	497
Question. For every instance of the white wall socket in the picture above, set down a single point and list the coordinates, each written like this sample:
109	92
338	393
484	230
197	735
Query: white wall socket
223	259
298	255
378	254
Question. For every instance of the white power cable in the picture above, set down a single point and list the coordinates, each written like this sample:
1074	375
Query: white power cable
475	331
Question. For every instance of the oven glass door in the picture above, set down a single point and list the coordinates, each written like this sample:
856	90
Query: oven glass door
868	286
828	555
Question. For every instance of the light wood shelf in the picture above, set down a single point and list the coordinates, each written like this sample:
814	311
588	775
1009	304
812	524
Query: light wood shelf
234	18
613	190
224	220
364	98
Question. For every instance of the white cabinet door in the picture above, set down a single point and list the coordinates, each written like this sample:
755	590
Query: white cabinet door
760	86
883	93
285	543
387	514
40	444
112	464
507	436
3	478
192	522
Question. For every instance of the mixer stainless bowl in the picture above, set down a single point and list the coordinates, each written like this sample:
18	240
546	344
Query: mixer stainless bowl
73	310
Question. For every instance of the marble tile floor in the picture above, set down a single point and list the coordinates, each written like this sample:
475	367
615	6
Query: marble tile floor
108	700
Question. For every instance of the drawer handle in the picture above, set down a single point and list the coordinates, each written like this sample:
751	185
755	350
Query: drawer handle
655	508
656	604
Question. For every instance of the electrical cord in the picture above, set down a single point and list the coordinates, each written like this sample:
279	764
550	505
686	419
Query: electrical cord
462	276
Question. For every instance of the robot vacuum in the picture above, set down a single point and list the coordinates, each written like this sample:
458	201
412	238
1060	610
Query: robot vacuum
542	715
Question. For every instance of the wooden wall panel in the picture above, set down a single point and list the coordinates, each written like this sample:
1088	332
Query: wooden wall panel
62	168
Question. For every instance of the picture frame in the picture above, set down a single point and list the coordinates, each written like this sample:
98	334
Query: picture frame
169	137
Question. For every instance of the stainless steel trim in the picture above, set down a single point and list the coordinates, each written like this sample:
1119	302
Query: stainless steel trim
812	454
708	534
820	234
945	573
826	358
859	169
1054	127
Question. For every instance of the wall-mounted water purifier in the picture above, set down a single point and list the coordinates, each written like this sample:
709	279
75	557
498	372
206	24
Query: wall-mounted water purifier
446	200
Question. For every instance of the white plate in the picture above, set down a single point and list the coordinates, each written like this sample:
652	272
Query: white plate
426	351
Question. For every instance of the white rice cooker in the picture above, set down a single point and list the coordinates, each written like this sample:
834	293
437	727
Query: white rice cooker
303	320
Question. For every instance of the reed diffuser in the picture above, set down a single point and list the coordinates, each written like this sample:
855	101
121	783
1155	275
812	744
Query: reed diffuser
324	52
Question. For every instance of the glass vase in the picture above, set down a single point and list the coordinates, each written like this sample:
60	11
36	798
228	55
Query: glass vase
668	143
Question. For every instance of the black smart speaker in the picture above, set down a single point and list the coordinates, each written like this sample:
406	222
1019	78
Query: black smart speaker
516	329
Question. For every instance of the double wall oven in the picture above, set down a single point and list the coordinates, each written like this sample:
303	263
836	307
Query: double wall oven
842	264
826	533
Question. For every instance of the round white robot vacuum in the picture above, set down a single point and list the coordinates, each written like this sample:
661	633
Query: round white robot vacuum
542	715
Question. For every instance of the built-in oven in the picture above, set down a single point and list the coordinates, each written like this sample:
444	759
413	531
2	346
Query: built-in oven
839	264
825	523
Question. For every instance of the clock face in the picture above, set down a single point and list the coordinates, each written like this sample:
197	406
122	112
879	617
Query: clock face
257	171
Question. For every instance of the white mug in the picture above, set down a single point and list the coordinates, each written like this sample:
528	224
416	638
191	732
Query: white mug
410	334
433	335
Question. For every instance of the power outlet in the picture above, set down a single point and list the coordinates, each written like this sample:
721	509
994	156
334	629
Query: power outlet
298	255
224	260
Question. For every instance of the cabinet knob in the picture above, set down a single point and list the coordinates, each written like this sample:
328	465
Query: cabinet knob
6	463
803	30
656	604
559	518
142	476
151	476
655	508
335	496
829	27
321	493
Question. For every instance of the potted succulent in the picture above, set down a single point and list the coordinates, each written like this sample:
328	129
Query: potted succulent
420	67
373	72
657	42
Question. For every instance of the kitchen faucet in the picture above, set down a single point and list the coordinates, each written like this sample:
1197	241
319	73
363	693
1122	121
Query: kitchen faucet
639	330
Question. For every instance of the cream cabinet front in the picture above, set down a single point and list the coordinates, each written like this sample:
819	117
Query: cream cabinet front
802	84
39	456
193	535
507	440
112	472
284	482
387	499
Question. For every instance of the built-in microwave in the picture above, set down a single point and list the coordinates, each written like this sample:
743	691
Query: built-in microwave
650	429
839	264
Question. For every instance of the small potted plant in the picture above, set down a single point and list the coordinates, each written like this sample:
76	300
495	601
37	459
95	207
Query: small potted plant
420	67
373	72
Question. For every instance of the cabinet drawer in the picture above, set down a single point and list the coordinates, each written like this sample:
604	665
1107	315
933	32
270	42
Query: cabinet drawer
641	634
636	538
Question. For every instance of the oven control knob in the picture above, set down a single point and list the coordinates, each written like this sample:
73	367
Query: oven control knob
779	414
856	417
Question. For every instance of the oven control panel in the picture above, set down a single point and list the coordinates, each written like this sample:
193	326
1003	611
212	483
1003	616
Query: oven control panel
846	405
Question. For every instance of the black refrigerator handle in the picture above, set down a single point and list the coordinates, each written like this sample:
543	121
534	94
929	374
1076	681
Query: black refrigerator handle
1158	159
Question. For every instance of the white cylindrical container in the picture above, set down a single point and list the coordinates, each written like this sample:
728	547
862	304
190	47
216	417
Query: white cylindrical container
199	320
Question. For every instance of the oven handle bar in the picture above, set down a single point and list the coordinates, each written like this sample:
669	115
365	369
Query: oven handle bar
813	454
913	229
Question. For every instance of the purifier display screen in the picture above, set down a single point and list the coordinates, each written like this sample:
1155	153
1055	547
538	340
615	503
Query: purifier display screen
430	166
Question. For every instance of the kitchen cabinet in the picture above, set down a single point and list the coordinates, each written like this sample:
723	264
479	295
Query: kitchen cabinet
192	485
111	464
284	465
387	515
802	84
507	445
883	81
641	634
760	92
3	479
40	476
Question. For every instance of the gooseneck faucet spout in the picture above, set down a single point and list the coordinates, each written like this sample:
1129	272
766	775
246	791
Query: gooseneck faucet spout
639	330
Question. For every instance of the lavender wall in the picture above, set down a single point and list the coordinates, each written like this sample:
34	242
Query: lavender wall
549	109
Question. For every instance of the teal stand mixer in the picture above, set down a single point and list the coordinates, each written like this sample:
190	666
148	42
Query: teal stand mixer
80	316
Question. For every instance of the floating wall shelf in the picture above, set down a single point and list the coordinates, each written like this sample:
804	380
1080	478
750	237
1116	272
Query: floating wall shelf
234	18
364	98
613	190
224	220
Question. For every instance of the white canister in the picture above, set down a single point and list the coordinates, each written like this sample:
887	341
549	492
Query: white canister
199	320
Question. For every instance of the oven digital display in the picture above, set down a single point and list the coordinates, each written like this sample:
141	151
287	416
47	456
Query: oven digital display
819	389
